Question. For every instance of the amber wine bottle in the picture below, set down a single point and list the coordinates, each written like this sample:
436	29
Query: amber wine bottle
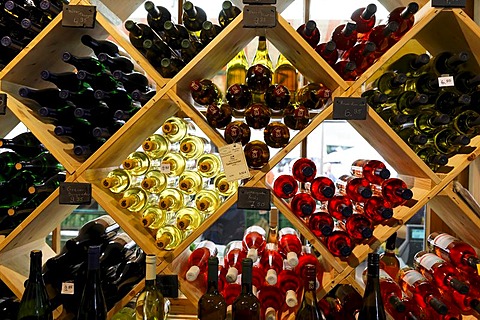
237	131
212	305
286	74
276	135
256	153
246	305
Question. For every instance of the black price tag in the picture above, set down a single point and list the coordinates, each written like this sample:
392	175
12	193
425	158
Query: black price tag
259	16
3	103
449	3
350	108
77	16
259	1
168	285
75	193
254	198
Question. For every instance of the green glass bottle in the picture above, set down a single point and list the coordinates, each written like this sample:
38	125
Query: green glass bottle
410	102
35	303
246	305
449	141
14	191
25	144
372	305
44	164
309	309
237	69
8	159
468	123
429	120
412	64
375	99
391	83
261	55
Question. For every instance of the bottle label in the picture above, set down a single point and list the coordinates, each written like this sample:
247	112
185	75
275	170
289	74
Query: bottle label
412	276
383	275
234	162
124	238
428	260
107	220
68	288
443	241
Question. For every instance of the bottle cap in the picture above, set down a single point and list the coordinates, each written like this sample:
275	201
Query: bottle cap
129	164
18	166
223	186
440	159
287	188
345	250
438	306
270	314
165	203
109	182
366	193
192	273
231	275
291	298
271	277
147	220
383	173
202	204
31	190
386	213
151	259
148	183
406	194
373	258
167	128
185	184
204	166
163	241
127	202
367	232
66	56
326	230
292	259
346	211
149	145
252	254
397	303
328	191
183	223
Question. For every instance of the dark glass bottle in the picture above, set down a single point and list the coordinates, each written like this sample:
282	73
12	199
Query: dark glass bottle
170	67
239	96
277	97
237	131
25	144
388	260
296	117
309	309
89	64
411	64
190	48
372	306
193	17
44	164
228	13
209	32
118	98
157	16
256	153
314	95
116	63
259	78
44	97
101	81
100	46
174	34
212	305
132	81
35	303
139	32
449	62
63	80
92	303
246	305
205	92
219	116
310	33
276	135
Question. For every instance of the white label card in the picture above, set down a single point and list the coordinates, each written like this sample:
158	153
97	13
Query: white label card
68	288
445	81
165	167
234	162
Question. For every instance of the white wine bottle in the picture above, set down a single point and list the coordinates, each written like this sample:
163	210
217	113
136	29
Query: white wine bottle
190	182
168	237
207	201
171	199
223	186
153	217
154	181
137	163
175	129
177	164
135	199
209	165
118	180
156	146
189	219
192	147
150	303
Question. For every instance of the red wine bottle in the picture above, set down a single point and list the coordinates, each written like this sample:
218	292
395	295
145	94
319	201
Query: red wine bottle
357	189
376	209
276	135
310	33
272	262
345	35
277	97
405	18
374	171
347	70
358	227
364	18
258	78
285	186
339	207
321	224
290	283
237	131
339	243
257	115
383	37
303	205
233	256
289	245
322	188
396	192
271	300
257	154
239	96
296	117
219	116
328	51
314	95
254	242
205	92
304	170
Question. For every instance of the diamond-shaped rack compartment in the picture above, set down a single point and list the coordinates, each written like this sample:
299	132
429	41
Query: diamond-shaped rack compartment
25	71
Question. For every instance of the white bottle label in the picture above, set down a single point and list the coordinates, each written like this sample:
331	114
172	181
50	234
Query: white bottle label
428	260
68	288
234	162
108	220
445	81
443	240
413	276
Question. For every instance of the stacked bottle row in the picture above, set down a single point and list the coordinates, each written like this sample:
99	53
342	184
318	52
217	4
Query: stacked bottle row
121	265
175	183
28	175
356	45
435	120
349	208
90	104
278	267
169	46
21	21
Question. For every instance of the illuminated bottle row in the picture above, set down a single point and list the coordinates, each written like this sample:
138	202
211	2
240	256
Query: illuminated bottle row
174	183
348	209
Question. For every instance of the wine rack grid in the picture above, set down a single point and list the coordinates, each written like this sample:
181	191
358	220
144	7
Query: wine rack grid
169	100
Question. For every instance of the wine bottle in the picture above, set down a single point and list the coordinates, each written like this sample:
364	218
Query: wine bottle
237	69
375	99
347	70
448	62
239	96
92	303
362	54
257	154
193	18
396	192
156	146
277	97
157	16
304	170
43	164
153	217
429	120
357	226
132	81
224	187
276	135
116	251
339	207
339	243
190	182
121	63
412	137
246	305
257	115
448	141
289	245
209	165
405	18
271	301
413	65
328	51
254	242
467	123
190	48
309	308
357	189
47	97
233	257
314	96
219	116
170	67
376	208
383	37
258	78
63	80
99	81
118	180
90	64
212	304
364	18
192	147
290	283
205	92
296	117
306	258
137	163
423	292
372	306
49	185
466	82
150	303
272	261
388	260
100	46
209	32
35	303
345	35
310	33
14	191
171	199
374	171
440	272
138	33
321	224
391	83
286	74
207	201
175	129
199	259
228	13
303	204
136	199
411	103
322	188
237	131
175	164
169	237
157	50
432	157
285	186
189	219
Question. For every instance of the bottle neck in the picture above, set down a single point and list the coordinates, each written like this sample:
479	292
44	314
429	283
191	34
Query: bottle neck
35	268
150	275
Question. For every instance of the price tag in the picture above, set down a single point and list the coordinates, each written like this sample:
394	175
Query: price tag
77	16
254	198
259	16
165	167
75	193
446	81
68	288
3	103
234	162
449	3
350	108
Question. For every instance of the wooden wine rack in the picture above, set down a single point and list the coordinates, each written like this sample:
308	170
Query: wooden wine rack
433	26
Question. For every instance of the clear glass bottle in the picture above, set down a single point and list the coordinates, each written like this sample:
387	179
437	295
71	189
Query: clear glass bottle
150	303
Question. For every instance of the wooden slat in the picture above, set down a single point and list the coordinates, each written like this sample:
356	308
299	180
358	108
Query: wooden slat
392	4
118	10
